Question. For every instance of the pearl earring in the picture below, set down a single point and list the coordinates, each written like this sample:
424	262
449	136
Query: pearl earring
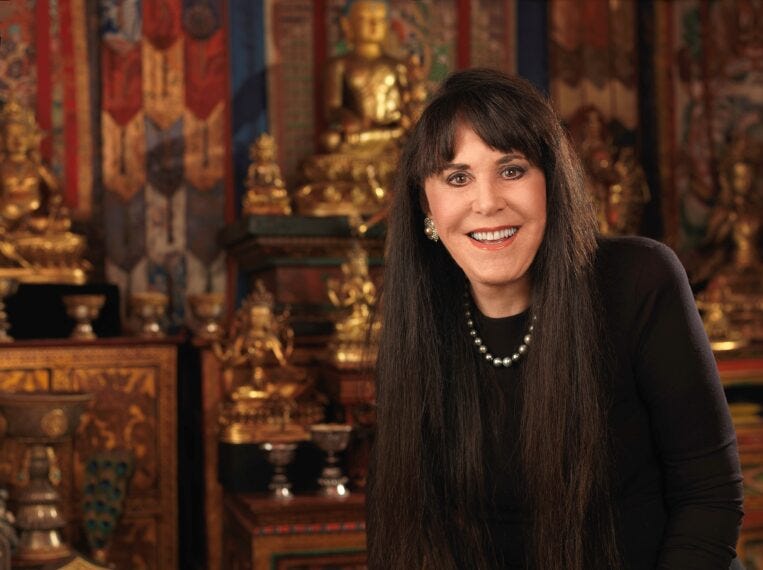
430	230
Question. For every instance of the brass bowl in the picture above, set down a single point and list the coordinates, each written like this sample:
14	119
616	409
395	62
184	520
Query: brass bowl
83	309
331	438
149	308
207	310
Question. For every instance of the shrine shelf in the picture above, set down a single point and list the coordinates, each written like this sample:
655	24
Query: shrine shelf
261	533
742	378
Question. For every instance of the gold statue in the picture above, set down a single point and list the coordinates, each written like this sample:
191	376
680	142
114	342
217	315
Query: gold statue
736	289
614	177
36	245
356	333
265	189
277	401
371	99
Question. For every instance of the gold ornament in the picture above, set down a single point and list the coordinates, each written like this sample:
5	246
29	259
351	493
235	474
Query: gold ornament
371	99
356	336
54	423
277	401
265	188
36	245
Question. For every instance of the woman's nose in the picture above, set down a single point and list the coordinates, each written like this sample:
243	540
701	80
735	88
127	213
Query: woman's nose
487	198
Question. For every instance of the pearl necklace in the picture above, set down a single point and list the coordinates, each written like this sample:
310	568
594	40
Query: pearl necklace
497	361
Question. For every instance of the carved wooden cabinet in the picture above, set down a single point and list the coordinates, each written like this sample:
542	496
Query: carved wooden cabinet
134	408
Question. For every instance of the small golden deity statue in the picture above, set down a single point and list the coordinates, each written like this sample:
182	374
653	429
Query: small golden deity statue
354	342
265	190
371	99
614	177
736	289
36	245
278	401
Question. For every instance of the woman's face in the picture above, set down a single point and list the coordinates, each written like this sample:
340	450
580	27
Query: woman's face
489	208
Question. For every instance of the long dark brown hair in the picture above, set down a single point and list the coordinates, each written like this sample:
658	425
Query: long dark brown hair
427	495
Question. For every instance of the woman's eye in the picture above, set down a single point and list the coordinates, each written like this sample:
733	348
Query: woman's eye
457	179
512	172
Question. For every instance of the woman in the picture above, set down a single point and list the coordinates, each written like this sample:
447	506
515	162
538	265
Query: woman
546	397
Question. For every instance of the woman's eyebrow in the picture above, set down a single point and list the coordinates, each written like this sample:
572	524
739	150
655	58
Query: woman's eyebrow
454	166
510	156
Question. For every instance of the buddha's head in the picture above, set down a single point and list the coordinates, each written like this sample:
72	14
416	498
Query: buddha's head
741	177
366	22
263	149
19	132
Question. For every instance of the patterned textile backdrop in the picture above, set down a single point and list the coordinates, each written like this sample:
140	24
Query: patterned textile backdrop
709	71
593	58
164	124
44	65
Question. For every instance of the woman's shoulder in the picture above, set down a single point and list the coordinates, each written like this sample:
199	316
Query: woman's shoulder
638	260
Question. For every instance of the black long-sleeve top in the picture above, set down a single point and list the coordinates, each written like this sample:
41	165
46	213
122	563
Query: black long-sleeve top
677	480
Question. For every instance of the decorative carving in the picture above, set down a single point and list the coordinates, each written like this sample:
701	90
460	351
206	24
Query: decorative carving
54	423
134	408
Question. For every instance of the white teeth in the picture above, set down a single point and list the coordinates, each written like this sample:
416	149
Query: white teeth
493	236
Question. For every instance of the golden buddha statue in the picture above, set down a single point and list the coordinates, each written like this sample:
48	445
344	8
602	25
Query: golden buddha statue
277	402
265	189
36	245
371	99
615	178
737	286
355	294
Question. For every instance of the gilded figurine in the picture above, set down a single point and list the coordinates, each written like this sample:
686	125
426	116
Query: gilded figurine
614	176
733	233
35	242
371	99
277	401
355	294
265	189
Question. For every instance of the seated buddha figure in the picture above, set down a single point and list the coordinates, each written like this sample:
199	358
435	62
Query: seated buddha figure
35	242
265	189
370	99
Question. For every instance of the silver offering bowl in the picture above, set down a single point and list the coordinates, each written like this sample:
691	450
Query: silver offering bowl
333	439
279	456
8	287
149	308
40	419
84	309
207	309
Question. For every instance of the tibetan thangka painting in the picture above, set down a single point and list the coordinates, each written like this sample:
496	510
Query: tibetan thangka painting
710	86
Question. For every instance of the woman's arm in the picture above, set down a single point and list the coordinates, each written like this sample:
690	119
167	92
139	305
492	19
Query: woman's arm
691	426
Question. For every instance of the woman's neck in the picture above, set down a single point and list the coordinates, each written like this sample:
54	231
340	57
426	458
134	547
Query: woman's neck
506	300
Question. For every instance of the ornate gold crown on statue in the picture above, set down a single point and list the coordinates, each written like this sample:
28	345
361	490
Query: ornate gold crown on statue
14	112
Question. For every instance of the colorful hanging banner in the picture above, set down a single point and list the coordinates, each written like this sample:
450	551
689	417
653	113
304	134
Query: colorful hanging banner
163	80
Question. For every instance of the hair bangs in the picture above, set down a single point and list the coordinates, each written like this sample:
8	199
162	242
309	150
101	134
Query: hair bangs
497	115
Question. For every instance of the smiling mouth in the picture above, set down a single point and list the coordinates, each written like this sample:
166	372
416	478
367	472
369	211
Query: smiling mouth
493	237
